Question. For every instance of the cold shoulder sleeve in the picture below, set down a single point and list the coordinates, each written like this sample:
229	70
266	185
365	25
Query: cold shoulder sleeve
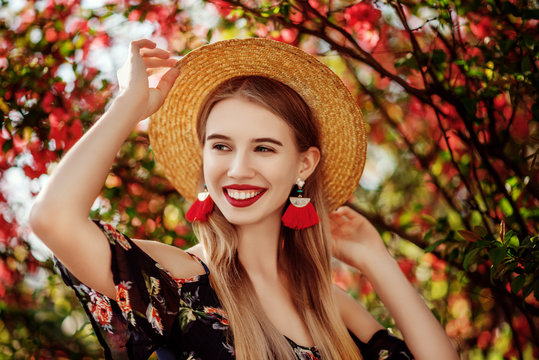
141	317
383	346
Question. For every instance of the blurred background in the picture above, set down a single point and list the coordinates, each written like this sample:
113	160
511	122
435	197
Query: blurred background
449	90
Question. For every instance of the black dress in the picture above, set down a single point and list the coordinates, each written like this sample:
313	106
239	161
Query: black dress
178	318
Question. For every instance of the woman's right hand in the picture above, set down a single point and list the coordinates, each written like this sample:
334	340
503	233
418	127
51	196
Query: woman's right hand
146	59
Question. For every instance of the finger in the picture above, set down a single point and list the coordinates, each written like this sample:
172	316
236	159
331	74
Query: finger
347	212
339	219
154	62
166	82
155	52
136	45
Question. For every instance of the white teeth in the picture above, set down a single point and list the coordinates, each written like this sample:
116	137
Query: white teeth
242	195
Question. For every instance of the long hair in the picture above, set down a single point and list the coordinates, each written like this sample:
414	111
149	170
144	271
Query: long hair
304	257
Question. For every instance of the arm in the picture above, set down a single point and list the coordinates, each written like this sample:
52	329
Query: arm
356	318
358	244
60	213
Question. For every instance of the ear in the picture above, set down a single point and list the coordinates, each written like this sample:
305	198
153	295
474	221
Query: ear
309	159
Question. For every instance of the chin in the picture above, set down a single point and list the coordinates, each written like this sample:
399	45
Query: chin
244	218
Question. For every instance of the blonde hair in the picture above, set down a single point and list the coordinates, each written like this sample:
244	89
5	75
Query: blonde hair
304	256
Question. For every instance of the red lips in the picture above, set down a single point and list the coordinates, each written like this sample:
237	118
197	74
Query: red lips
244	202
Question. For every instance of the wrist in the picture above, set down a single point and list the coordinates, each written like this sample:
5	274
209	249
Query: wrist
371	261
134	107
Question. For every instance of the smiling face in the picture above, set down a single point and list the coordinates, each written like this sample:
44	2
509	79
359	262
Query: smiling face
251	161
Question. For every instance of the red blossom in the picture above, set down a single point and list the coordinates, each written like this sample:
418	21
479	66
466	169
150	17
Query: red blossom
51	35
319	6
366	287
288	36
362	12
59	87
182	230
483	28
134	15
179	242
407	266
223	7
483	340
520	127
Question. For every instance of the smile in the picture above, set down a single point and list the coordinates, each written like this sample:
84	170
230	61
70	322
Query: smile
242	195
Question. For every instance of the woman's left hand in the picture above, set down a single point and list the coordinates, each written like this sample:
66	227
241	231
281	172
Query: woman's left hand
355	239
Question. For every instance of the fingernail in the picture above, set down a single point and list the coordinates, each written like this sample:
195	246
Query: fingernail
177	65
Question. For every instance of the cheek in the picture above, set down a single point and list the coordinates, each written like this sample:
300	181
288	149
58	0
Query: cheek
210	167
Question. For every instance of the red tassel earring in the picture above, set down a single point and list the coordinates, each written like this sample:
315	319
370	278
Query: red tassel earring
201	208
301	213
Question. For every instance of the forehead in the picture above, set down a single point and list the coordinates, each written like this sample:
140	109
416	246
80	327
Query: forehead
243	118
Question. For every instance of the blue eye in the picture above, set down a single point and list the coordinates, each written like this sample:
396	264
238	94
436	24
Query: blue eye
221	147
263	149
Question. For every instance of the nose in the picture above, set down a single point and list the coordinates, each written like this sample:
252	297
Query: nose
240	166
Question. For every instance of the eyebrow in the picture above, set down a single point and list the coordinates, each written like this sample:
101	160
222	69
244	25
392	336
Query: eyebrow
257	140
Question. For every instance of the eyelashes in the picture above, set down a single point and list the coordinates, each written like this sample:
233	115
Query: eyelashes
264	149
259	148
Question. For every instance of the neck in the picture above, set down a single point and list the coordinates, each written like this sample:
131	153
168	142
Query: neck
258	247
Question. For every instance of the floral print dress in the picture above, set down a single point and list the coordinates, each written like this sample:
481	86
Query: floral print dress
178	318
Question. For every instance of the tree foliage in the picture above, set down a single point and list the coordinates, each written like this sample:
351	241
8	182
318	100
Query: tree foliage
449	91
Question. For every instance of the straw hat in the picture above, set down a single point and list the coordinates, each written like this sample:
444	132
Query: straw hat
172	129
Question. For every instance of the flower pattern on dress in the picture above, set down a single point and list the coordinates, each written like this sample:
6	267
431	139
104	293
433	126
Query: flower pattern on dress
115	236
154	319
122	298
306	354
217	313
101	310
154	287
184	315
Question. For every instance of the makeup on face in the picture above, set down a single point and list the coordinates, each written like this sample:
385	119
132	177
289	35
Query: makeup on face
242	195
251	161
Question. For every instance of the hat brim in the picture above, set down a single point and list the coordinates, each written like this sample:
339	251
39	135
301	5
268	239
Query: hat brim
173	128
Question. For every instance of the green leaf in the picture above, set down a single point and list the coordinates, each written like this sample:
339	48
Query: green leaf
438	56
496	255
407	61
470	105
7	146
506	207
481	230
517	283
513	241
453	254
470	256
434	245
506	45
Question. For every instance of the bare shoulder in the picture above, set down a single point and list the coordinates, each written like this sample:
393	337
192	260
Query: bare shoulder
175	260
356	318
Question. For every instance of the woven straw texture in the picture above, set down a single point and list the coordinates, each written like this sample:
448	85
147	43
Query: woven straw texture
172	129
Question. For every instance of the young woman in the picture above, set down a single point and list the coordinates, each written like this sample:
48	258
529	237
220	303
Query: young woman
273	144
